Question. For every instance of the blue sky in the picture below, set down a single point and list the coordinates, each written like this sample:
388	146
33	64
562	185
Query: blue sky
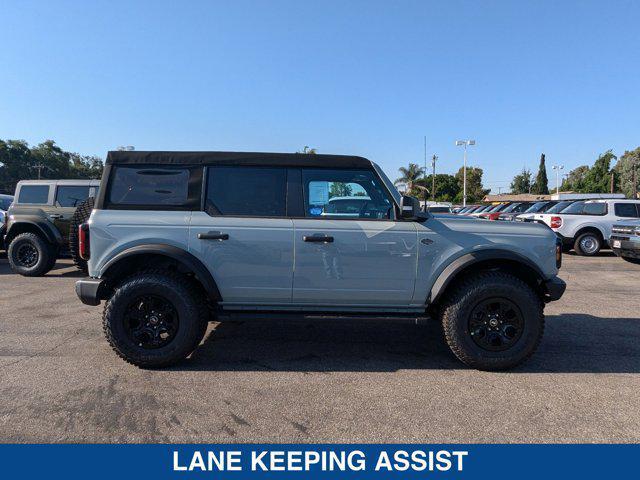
354	77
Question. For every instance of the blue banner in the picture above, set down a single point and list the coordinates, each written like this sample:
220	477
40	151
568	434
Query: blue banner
318	461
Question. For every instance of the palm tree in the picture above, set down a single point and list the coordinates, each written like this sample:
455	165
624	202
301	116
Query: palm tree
410	176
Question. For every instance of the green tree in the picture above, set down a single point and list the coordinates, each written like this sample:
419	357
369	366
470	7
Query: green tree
624	171
522	182
16	163
447	186
541	185
340	189
598	178
475	191
575	179
409	177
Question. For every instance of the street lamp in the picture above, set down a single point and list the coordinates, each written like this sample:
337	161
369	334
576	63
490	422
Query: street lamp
464	143
557	168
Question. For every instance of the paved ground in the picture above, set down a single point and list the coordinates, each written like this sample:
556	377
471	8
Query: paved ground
304	381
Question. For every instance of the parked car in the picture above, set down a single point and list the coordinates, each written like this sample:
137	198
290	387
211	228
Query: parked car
537	217
585	226
176	238
625	239
523	209
439	208
5	203
42	223
493	213
467	209
483	208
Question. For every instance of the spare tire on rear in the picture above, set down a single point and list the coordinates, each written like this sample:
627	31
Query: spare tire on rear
80	216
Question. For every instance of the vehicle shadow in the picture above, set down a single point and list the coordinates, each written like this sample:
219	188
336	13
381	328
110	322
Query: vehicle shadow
59	270
573	343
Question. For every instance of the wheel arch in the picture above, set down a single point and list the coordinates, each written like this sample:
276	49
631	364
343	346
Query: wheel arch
483	260
36	226
160	255
590	228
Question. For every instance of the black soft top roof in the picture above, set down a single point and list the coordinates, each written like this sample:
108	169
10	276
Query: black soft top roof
236	158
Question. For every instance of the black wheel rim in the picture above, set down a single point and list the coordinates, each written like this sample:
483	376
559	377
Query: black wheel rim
27	255
151	321
496	324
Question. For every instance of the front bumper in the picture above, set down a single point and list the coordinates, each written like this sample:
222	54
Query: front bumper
554	289
629	246
89	290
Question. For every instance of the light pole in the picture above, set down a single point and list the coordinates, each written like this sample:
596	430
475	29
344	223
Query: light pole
464	143
557	168
433	178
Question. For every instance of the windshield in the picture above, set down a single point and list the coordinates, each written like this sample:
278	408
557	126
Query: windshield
497	208
439	209
558	207
5	202
575	208
511	207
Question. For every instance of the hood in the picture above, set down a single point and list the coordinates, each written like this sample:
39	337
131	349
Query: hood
482	227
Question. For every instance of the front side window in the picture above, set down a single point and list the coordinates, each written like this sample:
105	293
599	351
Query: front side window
159	186
345	194
35	194
5	202
246	191
559	207
71	196
625	210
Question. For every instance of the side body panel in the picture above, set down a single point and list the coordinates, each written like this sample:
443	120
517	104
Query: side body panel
368	263
113	231
254	266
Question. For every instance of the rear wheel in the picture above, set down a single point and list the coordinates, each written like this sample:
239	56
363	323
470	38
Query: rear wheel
492	321
80	216
155	319
30	255
588	244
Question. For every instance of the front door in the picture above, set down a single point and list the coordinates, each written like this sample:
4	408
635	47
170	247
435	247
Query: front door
67	198
244	237
349	249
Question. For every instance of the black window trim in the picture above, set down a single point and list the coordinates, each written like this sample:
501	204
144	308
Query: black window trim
194	190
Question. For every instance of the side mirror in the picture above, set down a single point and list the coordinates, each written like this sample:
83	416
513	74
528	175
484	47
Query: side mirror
409	207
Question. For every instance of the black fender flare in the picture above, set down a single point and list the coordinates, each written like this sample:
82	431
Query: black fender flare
468	259
181	256
49	232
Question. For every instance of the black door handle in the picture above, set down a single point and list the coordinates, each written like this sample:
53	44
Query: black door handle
213	236
318	238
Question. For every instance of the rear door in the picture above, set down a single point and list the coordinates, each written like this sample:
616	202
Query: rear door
67	199
349	248
243	234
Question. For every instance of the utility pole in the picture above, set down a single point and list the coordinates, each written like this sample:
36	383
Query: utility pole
433	178
557	168
612	180
39	167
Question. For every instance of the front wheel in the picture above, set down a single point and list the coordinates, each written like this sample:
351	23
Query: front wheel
492	321
155	319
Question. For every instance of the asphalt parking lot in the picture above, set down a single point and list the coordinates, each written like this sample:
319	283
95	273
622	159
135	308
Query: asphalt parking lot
321	381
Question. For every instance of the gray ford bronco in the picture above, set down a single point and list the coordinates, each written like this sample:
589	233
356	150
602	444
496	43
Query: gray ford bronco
43	220
177	239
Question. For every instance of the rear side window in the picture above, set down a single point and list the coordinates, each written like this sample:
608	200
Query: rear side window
153	186
37	194
625	210
246	191
71	196
594	209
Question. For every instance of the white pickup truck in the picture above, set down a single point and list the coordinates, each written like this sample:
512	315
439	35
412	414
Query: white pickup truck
586	226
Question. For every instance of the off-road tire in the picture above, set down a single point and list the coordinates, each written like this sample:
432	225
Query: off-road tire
44	251
633	260
456	310
80	216
588	253
185	297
